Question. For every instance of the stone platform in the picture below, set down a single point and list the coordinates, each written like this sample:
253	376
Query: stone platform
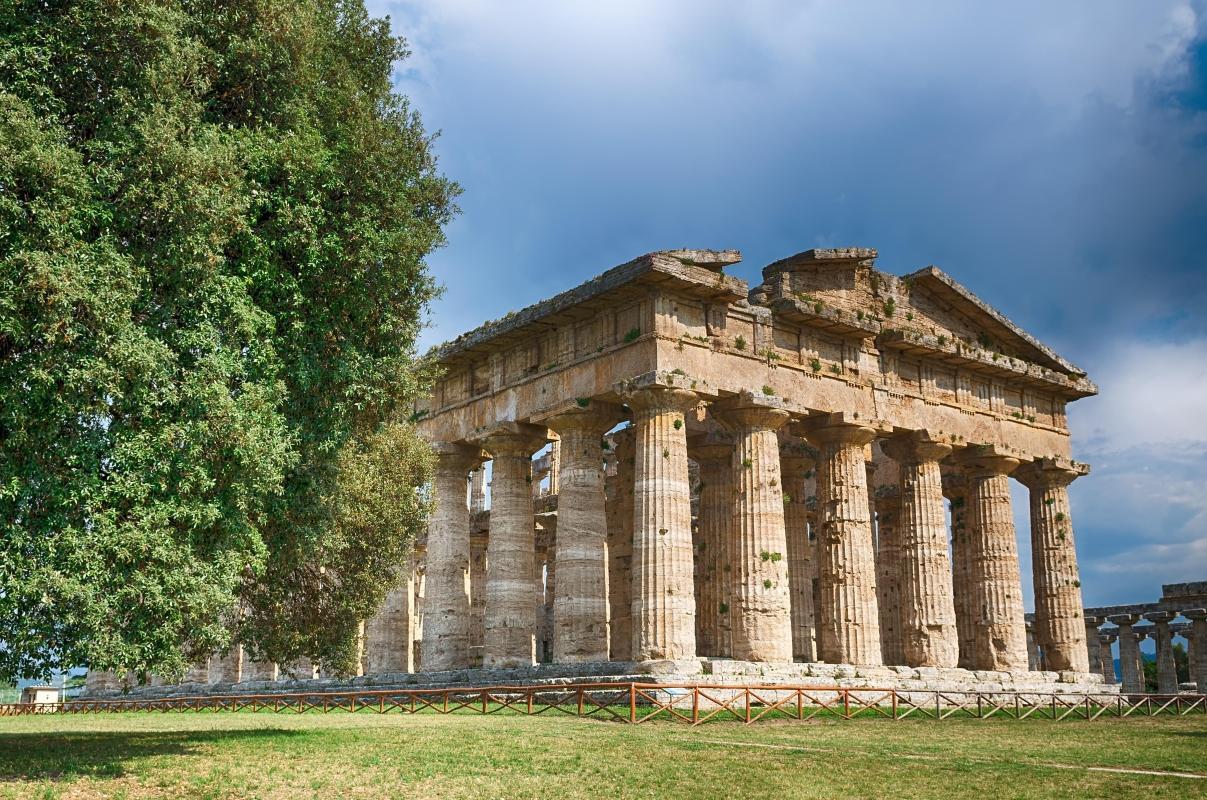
714	672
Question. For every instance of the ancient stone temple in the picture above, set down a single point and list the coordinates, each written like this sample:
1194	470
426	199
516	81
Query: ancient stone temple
829	414
687	475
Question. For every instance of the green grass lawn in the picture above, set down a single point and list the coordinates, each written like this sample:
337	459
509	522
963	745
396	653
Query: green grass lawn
341	755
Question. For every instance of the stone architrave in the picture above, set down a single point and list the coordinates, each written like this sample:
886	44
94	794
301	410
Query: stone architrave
446	616
797	462
848	625
955	490
1001	639
664	606
390	633
1198	643
761	612
1131	680
717	497
1054	565
929	630
580	602
620	549
509	638
1105	662
1167	672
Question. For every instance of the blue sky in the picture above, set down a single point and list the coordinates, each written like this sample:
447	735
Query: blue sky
1051	157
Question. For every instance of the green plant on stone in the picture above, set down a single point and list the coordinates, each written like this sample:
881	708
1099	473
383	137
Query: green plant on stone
582	402
678	423
815	364
767	390
766	583
837	370
740	342
632	334
890	307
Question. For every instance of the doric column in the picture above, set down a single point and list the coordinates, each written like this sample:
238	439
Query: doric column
510	627
390	633
929	631
477	491
955	489
886	501
664	606
446	617
1105	662
227	667
1167	671
797	462
580	604
199	672
1054	564
1129	653
848	625
761	611
555	471
620	549
1198	644
260	671
714	604
1091	624
98	681
1001	641
1033	654
479	544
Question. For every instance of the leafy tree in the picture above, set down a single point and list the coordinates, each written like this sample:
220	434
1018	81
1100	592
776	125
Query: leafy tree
213	224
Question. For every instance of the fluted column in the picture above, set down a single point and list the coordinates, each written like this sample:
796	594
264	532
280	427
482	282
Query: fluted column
98	681
479	544
199	672
761	611
260	671
620	549
955	489
797	463
717	497
1091	623
228	666
1105	662
930	636
848	625
664	607
1033	655
886	501
1167	671
1198	644
1000	642
509	636
1054	570
446	617
580	605
477	491
1129	653
390	633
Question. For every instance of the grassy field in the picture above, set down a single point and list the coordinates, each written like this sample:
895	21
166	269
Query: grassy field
351	756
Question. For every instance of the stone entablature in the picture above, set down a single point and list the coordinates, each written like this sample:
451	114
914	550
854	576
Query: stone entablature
825	331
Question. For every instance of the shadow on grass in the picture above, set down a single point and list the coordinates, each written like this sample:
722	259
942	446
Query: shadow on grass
55	756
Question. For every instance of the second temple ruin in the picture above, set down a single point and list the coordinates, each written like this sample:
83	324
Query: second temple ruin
686	473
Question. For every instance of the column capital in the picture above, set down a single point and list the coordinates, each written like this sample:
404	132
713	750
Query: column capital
987	459
1108	637
1045	473
839	428
711	450
457	456
1091	619
1124	620
512	439
1195	613
915	447
1160	617
663	391
582	413
747	411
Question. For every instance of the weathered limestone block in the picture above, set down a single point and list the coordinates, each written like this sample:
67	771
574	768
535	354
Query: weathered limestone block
620	548
1056	578
1167	673
260	671
446	618
1001	642
761	612
510	627
227	667
715	604
1132	679
664	607
797	462
390	633
955	489
580	606
1198	643
199	672
887	504
848	625
929	632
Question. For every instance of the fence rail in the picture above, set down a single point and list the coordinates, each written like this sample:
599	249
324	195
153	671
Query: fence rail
637	703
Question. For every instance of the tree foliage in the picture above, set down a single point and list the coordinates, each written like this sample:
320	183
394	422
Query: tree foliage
213	224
